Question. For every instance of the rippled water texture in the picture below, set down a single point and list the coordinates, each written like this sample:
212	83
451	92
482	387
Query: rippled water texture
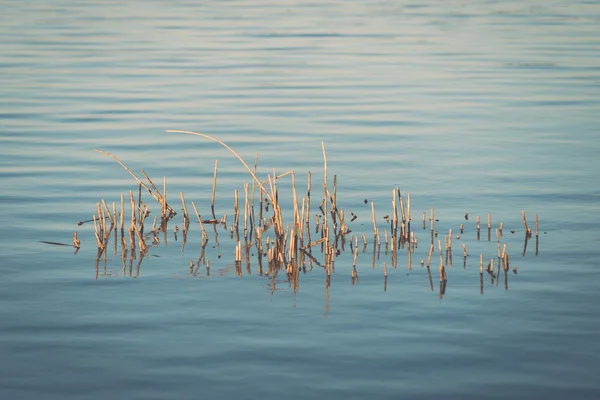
470	106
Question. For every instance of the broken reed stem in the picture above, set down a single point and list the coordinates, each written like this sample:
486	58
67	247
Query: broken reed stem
442	269
186	217
373	215
481	263
204	234
431	247
76	241
432	220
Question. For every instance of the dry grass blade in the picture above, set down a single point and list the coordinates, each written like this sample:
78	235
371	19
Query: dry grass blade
232	151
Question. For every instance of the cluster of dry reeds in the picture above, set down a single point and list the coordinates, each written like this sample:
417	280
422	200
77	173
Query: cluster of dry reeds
287	244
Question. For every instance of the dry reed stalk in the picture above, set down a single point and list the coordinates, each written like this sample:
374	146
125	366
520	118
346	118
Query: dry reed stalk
232	151
164	199
408	219
431	247
260	207
131	240
96	230
142	244
481	263
334	199
122	214
300	222
384	269
386	240
246	209
115	216
132	202
324	182
423	219
101	220
157	192
537	225
76	242
275	177
432	220
292	242
236	210
154	195
204	234
478	227
403	219
108	213
214	189
498	241
308	197
139	203
461	229
296	216
186	217
442	269
394	212
238	252
373	215
464	246
524	221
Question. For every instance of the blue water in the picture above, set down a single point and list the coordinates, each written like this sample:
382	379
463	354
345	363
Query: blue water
478	107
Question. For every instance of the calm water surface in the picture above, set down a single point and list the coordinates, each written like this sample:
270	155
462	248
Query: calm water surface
480	107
